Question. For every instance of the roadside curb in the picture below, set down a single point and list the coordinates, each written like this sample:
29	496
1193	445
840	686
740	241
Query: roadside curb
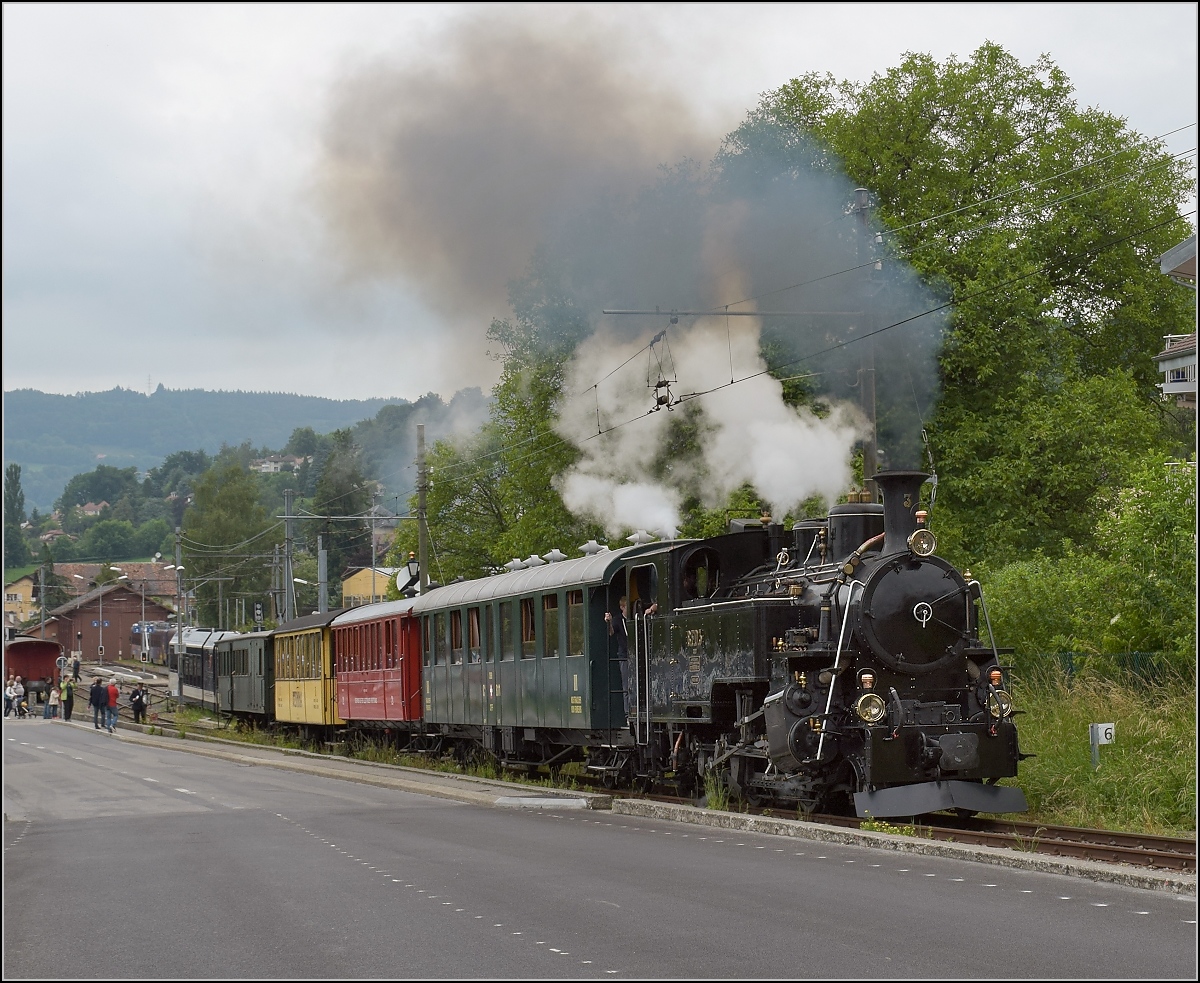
446	785
1176	883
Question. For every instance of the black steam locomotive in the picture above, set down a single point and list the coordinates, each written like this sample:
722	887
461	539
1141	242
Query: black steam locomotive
838	669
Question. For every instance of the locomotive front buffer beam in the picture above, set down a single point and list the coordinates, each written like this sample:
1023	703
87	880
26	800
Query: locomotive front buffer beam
916	800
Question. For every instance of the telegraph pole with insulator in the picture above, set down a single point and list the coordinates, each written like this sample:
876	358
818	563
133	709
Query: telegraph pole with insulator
866	374
422	524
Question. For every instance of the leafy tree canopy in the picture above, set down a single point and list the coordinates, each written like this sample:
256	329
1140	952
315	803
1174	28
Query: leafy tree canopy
228	539
1043	222
342	490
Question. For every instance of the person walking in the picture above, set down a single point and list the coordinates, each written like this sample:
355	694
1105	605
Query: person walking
114	694
68	697
10	694
75	668
53	701
98	701
18	696
137	700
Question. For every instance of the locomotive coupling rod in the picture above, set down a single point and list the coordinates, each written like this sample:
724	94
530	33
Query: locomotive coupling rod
734	750
745	720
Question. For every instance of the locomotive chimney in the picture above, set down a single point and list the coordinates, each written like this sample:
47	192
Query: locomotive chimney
901	500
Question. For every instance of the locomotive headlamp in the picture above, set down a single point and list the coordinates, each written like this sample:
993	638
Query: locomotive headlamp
922	542
995	677
870	707
1000	704
867	678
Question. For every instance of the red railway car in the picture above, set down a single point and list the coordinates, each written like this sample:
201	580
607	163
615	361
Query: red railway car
377	664
34	660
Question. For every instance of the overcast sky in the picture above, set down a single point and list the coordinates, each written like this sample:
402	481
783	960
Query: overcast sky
166	168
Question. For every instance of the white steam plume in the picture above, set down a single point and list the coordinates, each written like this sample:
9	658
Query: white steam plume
748	433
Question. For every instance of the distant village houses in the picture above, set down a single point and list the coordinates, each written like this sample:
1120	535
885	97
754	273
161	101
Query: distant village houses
277	463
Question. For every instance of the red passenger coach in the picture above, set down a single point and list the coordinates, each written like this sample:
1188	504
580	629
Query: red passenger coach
377	663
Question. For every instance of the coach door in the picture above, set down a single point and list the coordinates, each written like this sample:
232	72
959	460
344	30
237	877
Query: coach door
643	592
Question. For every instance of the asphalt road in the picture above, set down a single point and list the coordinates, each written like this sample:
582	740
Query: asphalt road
125	861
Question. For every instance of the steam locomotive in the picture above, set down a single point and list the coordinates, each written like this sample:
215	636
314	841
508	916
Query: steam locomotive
835	667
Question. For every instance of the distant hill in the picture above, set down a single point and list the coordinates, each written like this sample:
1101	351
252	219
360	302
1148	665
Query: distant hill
56	437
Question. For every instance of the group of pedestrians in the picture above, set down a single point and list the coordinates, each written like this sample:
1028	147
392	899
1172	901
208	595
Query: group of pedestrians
60	697
103	701
14	697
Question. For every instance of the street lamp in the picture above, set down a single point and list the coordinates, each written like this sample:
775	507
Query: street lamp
142	629
100	647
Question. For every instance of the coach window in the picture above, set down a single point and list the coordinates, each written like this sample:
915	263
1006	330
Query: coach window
643	588
574	622
528	629
485	633
456	638
550	625
389	645
439	639
427	656
701	574
474	652
506	631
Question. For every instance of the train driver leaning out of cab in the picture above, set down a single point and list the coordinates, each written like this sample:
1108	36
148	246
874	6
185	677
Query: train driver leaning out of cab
617	629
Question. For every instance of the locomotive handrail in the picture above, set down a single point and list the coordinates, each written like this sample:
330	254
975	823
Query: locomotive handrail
986	618
837	660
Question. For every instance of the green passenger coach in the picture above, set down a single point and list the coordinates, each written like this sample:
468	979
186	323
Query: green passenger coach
523	662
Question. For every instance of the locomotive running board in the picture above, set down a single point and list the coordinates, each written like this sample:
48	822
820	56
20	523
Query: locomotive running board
914	800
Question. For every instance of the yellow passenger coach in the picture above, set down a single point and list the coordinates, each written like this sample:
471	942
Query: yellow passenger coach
304	682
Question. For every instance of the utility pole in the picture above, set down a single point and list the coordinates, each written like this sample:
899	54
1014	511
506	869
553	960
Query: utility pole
322	577
867	369
42	595
422	523
275	585
179	609
373	561
289	585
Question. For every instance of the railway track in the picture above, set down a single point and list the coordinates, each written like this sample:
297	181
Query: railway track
1107	846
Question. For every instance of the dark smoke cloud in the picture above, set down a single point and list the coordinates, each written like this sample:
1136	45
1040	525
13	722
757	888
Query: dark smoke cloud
451	171
516	143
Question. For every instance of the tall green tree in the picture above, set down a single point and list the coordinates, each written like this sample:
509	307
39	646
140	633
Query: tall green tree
16	550
228	540
54	591
1042	222
343	494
